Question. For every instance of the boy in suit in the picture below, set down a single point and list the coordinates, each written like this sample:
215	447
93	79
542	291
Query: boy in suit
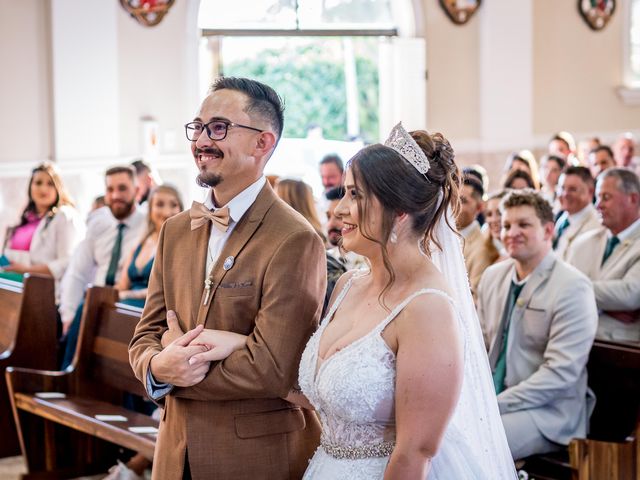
539	317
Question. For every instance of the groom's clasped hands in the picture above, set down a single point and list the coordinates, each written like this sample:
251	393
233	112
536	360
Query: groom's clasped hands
186	357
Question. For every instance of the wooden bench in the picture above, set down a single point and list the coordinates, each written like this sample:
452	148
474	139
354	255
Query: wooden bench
61	437
612	449
27	339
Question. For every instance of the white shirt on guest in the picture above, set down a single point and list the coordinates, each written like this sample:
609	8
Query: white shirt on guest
91	259
238	206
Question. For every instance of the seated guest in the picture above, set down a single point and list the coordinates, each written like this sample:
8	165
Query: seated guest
564	145
610	255
625	150
600	159
145	180
299	196
471	205
48	230
551	167
524	160
331	171
351	260
480	173
493	243
164	202
539	316
576	189
98	259
585	147
518	180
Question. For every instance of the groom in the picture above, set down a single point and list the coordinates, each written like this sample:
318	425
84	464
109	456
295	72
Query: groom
252	266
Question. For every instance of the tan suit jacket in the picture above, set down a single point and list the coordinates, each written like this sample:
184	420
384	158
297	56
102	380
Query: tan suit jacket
590	221
616	283
553	325
234	424
478	253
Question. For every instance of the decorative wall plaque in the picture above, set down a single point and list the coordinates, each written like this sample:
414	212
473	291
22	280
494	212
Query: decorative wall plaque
147	12
460	11
596	13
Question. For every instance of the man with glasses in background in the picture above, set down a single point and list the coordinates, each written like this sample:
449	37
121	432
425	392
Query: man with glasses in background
246	266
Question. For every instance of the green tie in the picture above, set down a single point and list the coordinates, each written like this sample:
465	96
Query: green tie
611	244
110	279
498	354
561	228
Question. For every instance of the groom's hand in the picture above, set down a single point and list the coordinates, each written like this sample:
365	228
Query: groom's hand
173	332
172	365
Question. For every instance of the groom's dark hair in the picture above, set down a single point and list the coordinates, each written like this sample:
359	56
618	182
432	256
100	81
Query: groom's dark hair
263	103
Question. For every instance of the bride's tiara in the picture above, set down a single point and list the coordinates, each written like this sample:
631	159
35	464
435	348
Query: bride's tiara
403	143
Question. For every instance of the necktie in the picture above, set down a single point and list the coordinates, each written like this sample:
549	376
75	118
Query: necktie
498	354
611	244
559	231
200	215
110	279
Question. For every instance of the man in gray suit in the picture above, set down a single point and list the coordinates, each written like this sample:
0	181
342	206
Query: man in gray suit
576	187
610	255
539	316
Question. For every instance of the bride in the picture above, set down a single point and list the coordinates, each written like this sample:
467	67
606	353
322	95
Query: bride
397	370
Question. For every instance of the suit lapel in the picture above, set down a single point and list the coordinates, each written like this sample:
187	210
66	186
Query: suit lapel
619	252
539	276
241	234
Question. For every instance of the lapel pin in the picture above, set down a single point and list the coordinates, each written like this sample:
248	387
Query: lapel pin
228	263
520	302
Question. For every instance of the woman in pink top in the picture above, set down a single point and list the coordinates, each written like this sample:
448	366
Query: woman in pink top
48	230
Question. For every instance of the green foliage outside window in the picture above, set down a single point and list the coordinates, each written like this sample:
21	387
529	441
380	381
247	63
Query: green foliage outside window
311	80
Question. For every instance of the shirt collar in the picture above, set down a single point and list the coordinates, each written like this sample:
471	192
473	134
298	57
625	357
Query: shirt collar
627	232
468	230
239	204
578	216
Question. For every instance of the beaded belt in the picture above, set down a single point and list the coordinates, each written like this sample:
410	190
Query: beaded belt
341	452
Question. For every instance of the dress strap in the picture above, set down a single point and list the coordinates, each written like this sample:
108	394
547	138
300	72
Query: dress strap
338	301
394	313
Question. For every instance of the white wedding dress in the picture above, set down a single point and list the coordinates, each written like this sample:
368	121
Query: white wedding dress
353	392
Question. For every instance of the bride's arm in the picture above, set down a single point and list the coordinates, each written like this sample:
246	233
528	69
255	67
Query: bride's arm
220	345
428	380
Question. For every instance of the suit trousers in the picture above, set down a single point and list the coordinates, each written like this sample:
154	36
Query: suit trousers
523	436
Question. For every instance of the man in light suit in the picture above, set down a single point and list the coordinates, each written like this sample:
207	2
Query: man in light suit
576	187
243	263
471	204
610	255
540	317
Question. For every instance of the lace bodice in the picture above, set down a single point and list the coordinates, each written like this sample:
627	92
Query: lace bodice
353	389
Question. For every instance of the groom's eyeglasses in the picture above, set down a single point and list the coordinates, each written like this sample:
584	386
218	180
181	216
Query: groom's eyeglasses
216	129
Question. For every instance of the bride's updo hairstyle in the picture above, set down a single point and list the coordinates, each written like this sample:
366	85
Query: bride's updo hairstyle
401	188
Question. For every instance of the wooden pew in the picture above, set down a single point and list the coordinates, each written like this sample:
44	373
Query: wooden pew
612	449
60	437
27	339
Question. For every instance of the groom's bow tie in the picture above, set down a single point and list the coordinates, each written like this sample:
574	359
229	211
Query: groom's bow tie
200	215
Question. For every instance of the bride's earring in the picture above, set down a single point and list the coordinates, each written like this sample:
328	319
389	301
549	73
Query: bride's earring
393	236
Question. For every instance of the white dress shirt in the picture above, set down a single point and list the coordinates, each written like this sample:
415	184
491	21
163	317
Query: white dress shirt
238	206
91	259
